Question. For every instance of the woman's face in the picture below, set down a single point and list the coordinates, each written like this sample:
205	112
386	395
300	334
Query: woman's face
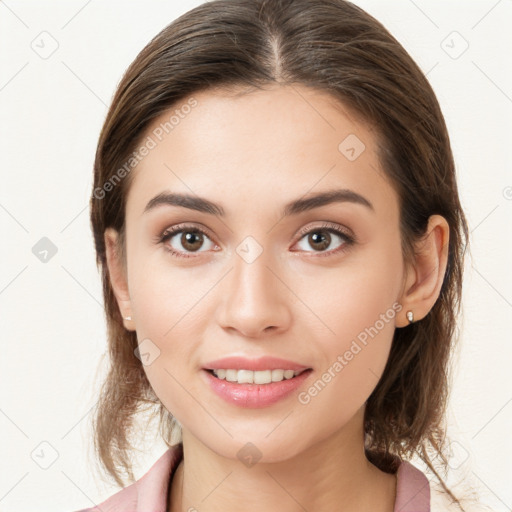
256	284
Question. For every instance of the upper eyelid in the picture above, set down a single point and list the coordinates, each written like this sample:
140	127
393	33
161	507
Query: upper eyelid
328	226
178	228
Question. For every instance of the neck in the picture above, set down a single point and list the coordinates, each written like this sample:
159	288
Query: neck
332	474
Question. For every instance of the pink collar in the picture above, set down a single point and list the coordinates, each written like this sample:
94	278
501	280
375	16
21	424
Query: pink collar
412	489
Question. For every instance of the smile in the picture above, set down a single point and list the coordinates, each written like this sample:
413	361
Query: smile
247	389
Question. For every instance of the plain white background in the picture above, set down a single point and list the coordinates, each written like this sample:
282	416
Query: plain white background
51	314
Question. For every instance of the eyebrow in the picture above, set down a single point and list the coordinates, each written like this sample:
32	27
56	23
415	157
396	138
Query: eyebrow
295	207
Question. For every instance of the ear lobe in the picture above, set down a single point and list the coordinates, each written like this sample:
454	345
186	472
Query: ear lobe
117	274
426	274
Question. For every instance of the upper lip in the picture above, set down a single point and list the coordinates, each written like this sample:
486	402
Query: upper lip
261	363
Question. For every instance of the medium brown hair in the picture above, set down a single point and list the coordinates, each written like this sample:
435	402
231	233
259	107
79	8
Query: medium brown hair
331	46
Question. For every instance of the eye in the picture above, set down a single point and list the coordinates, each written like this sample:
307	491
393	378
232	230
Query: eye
320	238
191	239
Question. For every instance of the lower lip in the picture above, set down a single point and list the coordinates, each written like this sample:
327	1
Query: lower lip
255	395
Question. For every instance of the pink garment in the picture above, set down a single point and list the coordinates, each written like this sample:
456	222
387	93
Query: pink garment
149	493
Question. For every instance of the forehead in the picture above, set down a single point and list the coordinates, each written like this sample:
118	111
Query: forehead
277	143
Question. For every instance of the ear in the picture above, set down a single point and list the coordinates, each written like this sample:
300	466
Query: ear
425	275
117	276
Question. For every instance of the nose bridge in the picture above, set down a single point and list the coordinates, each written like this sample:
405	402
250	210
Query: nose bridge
255	298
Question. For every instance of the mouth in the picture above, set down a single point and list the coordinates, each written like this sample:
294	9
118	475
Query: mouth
255	388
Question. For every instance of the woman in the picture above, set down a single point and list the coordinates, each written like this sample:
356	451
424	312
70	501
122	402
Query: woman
277	222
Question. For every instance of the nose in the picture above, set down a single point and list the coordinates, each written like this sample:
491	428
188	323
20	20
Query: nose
255	299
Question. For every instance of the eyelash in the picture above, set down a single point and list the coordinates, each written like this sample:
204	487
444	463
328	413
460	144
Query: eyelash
349	240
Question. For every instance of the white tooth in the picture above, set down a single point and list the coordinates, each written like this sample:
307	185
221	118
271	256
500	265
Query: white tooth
263	377
255	377
232	375
277	375
245	376
221	374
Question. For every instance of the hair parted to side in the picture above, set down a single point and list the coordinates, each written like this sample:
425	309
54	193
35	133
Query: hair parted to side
335	47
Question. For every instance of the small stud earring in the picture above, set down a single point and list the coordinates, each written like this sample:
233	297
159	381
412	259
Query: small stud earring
410	317
127	317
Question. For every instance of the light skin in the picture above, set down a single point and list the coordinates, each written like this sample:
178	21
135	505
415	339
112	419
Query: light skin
298	300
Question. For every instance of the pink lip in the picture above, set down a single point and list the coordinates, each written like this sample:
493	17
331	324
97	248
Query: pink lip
254	396
262	363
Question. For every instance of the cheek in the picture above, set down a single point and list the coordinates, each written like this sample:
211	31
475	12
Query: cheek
353	362
170	322
355	296
357	308
166	299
